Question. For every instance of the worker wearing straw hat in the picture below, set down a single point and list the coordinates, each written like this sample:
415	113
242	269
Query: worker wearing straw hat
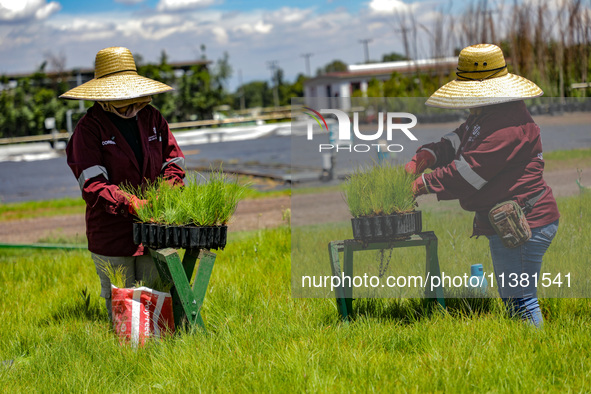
121	140
493	164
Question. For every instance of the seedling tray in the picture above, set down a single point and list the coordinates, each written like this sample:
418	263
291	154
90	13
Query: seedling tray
397	226
158	236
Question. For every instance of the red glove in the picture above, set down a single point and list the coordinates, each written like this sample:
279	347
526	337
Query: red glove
421	161
418	187
135	203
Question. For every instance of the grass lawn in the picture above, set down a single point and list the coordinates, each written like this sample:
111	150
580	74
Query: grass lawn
563	159
33	209
54	333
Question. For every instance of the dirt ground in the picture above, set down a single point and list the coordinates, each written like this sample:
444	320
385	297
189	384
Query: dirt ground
250	214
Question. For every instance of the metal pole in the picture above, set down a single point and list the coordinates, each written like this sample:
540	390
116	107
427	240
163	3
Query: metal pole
307	57
365	43
242	103
69	121
78	83
273	67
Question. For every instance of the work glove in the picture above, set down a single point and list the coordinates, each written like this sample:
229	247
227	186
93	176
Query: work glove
419	187
420	161
135	203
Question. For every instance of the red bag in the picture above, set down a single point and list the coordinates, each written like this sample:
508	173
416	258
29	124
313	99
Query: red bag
140	313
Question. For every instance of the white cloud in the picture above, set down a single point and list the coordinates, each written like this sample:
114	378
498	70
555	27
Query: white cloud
259	27
77	25
96	36
220	34
182	5
288	15
23	10
389	6
162	20
262	27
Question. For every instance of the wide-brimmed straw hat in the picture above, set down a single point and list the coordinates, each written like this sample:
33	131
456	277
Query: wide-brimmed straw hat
482	79
115	78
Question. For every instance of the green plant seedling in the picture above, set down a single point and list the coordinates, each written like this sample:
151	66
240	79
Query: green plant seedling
382	189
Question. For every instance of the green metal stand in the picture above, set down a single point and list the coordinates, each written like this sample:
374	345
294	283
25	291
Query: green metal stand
344	294
186	300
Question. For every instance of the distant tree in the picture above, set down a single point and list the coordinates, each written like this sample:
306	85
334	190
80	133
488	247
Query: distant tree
260	93
334	66
256	94
393	57
196	96
23	109
164	73
399	85
138	59
197	92
223	70
289	91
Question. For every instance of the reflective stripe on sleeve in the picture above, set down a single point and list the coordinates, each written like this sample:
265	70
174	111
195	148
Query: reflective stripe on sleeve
179	161
454	139
430	151
91	172
469	174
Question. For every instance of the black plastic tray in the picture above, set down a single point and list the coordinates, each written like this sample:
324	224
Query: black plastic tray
387	227
158	236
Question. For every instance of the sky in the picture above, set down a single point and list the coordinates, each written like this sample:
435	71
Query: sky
253	33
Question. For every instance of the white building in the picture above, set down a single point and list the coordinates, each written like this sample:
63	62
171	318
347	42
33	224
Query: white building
334	89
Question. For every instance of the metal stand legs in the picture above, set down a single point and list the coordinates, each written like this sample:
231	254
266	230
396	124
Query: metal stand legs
344	293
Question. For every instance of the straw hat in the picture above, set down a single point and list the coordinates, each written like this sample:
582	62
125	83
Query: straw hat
115	78
482	79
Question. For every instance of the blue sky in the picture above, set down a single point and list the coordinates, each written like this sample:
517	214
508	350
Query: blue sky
251	32
80	6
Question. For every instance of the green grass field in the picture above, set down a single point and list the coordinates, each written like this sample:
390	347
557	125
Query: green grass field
55	336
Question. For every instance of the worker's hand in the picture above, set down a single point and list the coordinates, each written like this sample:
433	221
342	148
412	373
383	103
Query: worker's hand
418	187
421	161
135	203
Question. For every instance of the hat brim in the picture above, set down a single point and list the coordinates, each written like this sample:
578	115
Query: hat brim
116	87
460	94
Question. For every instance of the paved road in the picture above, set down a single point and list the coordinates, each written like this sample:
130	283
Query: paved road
51	178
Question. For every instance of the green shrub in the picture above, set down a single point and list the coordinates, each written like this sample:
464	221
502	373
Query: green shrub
382	189
201	202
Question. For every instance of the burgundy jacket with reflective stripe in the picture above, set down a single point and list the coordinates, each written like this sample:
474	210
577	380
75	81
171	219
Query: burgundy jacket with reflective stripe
101	159
494	156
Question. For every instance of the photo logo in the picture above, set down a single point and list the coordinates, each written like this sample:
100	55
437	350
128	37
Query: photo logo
317	118
394	123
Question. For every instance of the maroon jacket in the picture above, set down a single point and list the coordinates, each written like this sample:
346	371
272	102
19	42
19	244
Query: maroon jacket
101	159
493	157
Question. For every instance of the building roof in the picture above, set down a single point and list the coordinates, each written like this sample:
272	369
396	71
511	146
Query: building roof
386	69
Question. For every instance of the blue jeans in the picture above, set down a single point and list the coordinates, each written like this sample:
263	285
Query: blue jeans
511	264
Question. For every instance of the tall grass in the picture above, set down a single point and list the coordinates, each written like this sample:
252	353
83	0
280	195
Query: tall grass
547	42
117	275
382	189
202	202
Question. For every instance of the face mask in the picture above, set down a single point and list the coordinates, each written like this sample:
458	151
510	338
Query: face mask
134	106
